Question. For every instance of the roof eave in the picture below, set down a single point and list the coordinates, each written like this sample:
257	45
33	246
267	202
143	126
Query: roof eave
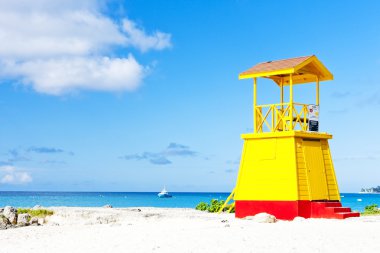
327	75
266	74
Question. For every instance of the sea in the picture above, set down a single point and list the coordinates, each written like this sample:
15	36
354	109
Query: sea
356	201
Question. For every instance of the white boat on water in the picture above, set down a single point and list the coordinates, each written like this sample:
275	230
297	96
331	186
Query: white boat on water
164	194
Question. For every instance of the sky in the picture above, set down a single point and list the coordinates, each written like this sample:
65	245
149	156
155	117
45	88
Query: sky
135	95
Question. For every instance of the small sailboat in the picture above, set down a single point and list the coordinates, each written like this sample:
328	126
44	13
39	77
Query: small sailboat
164	194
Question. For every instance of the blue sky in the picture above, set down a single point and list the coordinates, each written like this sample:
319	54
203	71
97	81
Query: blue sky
134	95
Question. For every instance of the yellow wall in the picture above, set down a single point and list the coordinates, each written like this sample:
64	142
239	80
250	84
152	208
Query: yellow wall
291	166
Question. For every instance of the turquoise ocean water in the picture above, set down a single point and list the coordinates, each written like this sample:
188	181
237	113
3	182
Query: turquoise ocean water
143	199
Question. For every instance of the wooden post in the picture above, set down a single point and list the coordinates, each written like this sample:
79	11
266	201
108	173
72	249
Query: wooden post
254	105
282	94
291	102
317	96
280	117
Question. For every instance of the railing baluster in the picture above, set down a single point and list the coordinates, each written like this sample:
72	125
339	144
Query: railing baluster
290	117
272	108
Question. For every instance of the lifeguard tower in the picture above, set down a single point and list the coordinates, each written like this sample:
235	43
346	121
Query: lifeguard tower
286	167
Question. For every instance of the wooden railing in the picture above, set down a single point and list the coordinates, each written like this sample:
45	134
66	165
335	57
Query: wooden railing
281	117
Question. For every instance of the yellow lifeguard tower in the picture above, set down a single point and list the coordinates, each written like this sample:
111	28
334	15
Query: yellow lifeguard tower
286	167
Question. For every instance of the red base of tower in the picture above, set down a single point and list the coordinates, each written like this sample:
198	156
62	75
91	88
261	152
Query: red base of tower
288	210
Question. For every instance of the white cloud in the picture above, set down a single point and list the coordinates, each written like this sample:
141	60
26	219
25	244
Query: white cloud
12	175
6	179
7	168
60	46
138	38
61	75
29	35
24	177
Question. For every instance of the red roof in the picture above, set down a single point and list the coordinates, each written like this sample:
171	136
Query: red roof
276	65
303	69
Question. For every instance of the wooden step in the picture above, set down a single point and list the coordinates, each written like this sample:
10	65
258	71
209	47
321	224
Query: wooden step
331	210
327	203
347	215
332	204
339	209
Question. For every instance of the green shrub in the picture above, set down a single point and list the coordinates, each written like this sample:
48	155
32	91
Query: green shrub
371	210
41	213
203	206
213	207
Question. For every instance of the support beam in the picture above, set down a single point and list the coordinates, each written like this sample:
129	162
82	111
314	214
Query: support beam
282	122
317	96
254	104
291	102
282	94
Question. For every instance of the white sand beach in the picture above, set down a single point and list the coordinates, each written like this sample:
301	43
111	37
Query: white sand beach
186	230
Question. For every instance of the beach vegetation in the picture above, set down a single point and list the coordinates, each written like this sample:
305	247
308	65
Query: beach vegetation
202	206
40	213
213	207
371	210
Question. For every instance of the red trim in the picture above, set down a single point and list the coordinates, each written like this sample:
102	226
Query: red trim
288	210
285	210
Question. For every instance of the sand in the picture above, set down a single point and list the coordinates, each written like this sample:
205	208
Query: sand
186	230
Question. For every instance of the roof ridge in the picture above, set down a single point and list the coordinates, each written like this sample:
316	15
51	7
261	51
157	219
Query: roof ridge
308	56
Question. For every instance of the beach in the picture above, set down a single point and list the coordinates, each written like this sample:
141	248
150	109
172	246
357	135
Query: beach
74	229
